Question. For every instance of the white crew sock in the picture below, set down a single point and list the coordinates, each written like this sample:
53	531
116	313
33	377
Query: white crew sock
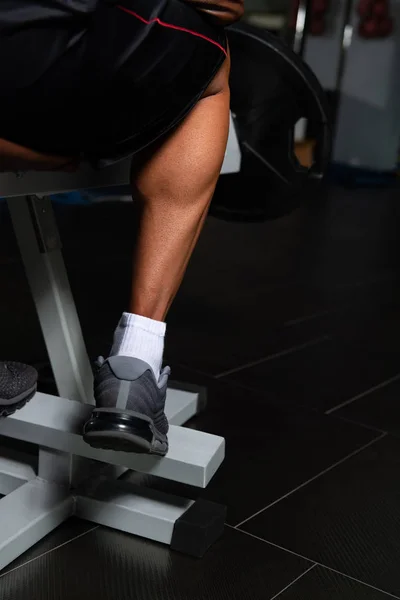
142	338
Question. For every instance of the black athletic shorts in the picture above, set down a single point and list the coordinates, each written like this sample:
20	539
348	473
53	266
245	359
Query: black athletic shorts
101	78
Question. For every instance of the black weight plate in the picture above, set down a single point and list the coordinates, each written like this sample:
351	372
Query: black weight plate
271	89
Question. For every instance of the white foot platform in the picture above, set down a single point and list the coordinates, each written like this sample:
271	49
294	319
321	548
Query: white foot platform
56	423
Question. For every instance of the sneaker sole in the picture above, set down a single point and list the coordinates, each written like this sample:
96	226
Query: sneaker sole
123	432
22	399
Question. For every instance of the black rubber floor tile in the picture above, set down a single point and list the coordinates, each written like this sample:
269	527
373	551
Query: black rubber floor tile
379	409
212	342
215	346
378	330
320	376
108	564
324	584
348	519
270	450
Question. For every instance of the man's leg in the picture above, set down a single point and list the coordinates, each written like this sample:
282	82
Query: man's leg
174	188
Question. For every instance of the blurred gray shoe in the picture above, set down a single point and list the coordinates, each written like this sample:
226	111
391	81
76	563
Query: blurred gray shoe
18	383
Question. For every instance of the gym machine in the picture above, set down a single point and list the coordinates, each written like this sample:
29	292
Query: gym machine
67	477
271	90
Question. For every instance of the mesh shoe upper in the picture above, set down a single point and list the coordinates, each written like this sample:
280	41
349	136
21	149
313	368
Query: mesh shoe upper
15	379
140	391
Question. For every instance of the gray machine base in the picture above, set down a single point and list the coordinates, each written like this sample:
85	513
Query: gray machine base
40	497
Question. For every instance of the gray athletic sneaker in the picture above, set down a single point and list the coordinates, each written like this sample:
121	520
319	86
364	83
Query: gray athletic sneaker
129	414
17	385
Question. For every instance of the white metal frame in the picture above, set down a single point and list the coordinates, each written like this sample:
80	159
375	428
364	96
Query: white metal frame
68	476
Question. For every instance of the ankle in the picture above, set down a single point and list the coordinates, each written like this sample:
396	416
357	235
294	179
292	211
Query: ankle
155	311
140	337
